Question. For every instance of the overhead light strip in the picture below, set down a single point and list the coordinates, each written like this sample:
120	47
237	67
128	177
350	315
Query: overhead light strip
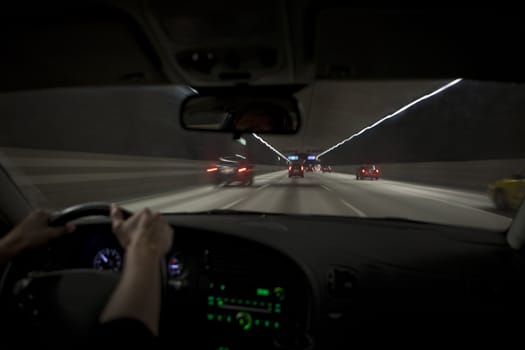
268	145
402	109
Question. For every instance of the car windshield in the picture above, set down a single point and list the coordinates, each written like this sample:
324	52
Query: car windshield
449	160
438	150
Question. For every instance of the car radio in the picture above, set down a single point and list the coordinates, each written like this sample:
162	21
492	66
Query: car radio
237	305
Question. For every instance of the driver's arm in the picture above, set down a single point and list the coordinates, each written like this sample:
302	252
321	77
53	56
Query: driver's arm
147	238
33	232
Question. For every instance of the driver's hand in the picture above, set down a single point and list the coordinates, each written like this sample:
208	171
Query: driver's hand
34	231
144	228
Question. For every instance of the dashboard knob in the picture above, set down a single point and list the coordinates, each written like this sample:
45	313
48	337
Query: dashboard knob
279	293
244	320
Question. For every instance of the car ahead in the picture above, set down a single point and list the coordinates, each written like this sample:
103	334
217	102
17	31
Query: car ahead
231	170
508	193
326	168
367	171
309	167
296	169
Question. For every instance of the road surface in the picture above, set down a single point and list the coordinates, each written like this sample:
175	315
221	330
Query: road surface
335	194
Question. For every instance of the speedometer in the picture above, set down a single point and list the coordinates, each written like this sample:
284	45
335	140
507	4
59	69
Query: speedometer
175	266
107	259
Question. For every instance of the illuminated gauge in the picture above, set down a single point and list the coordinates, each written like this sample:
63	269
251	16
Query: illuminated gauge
175	267
107	259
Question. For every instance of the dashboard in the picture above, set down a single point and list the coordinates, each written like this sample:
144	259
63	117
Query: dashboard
306	282
241	293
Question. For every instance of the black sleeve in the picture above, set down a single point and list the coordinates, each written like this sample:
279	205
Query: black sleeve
124	331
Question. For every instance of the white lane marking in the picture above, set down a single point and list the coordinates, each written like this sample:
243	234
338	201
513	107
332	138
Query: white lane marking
326	188
359	212
232	204
263	186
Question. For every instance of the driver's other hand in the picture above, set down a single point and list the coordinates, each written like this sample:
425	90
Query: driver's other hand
144	228
34	231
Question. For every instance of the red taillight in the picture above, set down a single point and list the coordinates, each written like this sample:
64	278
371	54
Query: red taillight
362	170
376	171
302	168
241	170
289	168
209	170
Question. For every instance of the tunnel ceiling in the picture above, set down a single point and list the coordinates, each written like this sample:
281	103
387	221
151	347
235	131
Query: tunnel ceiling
334	110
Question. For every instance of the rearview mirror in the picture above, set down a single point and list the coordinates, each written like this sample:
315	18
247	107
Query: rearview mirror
242	114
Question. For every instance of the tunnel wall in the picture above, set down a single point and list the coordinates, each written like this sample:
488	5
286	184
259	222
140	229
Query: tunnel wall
55	179
117	120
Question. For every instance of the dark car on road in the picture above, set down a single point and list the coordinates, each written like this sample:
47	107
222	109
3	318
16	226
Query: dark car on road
231	169
296	169
367	171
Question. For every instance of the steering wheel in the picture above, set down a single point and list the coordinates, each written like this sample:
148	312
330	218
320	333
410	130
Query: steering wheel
64	302
82	210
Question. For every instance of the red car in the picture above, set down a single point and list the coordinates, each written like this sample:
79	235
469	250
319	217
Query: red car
309	167
367	171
